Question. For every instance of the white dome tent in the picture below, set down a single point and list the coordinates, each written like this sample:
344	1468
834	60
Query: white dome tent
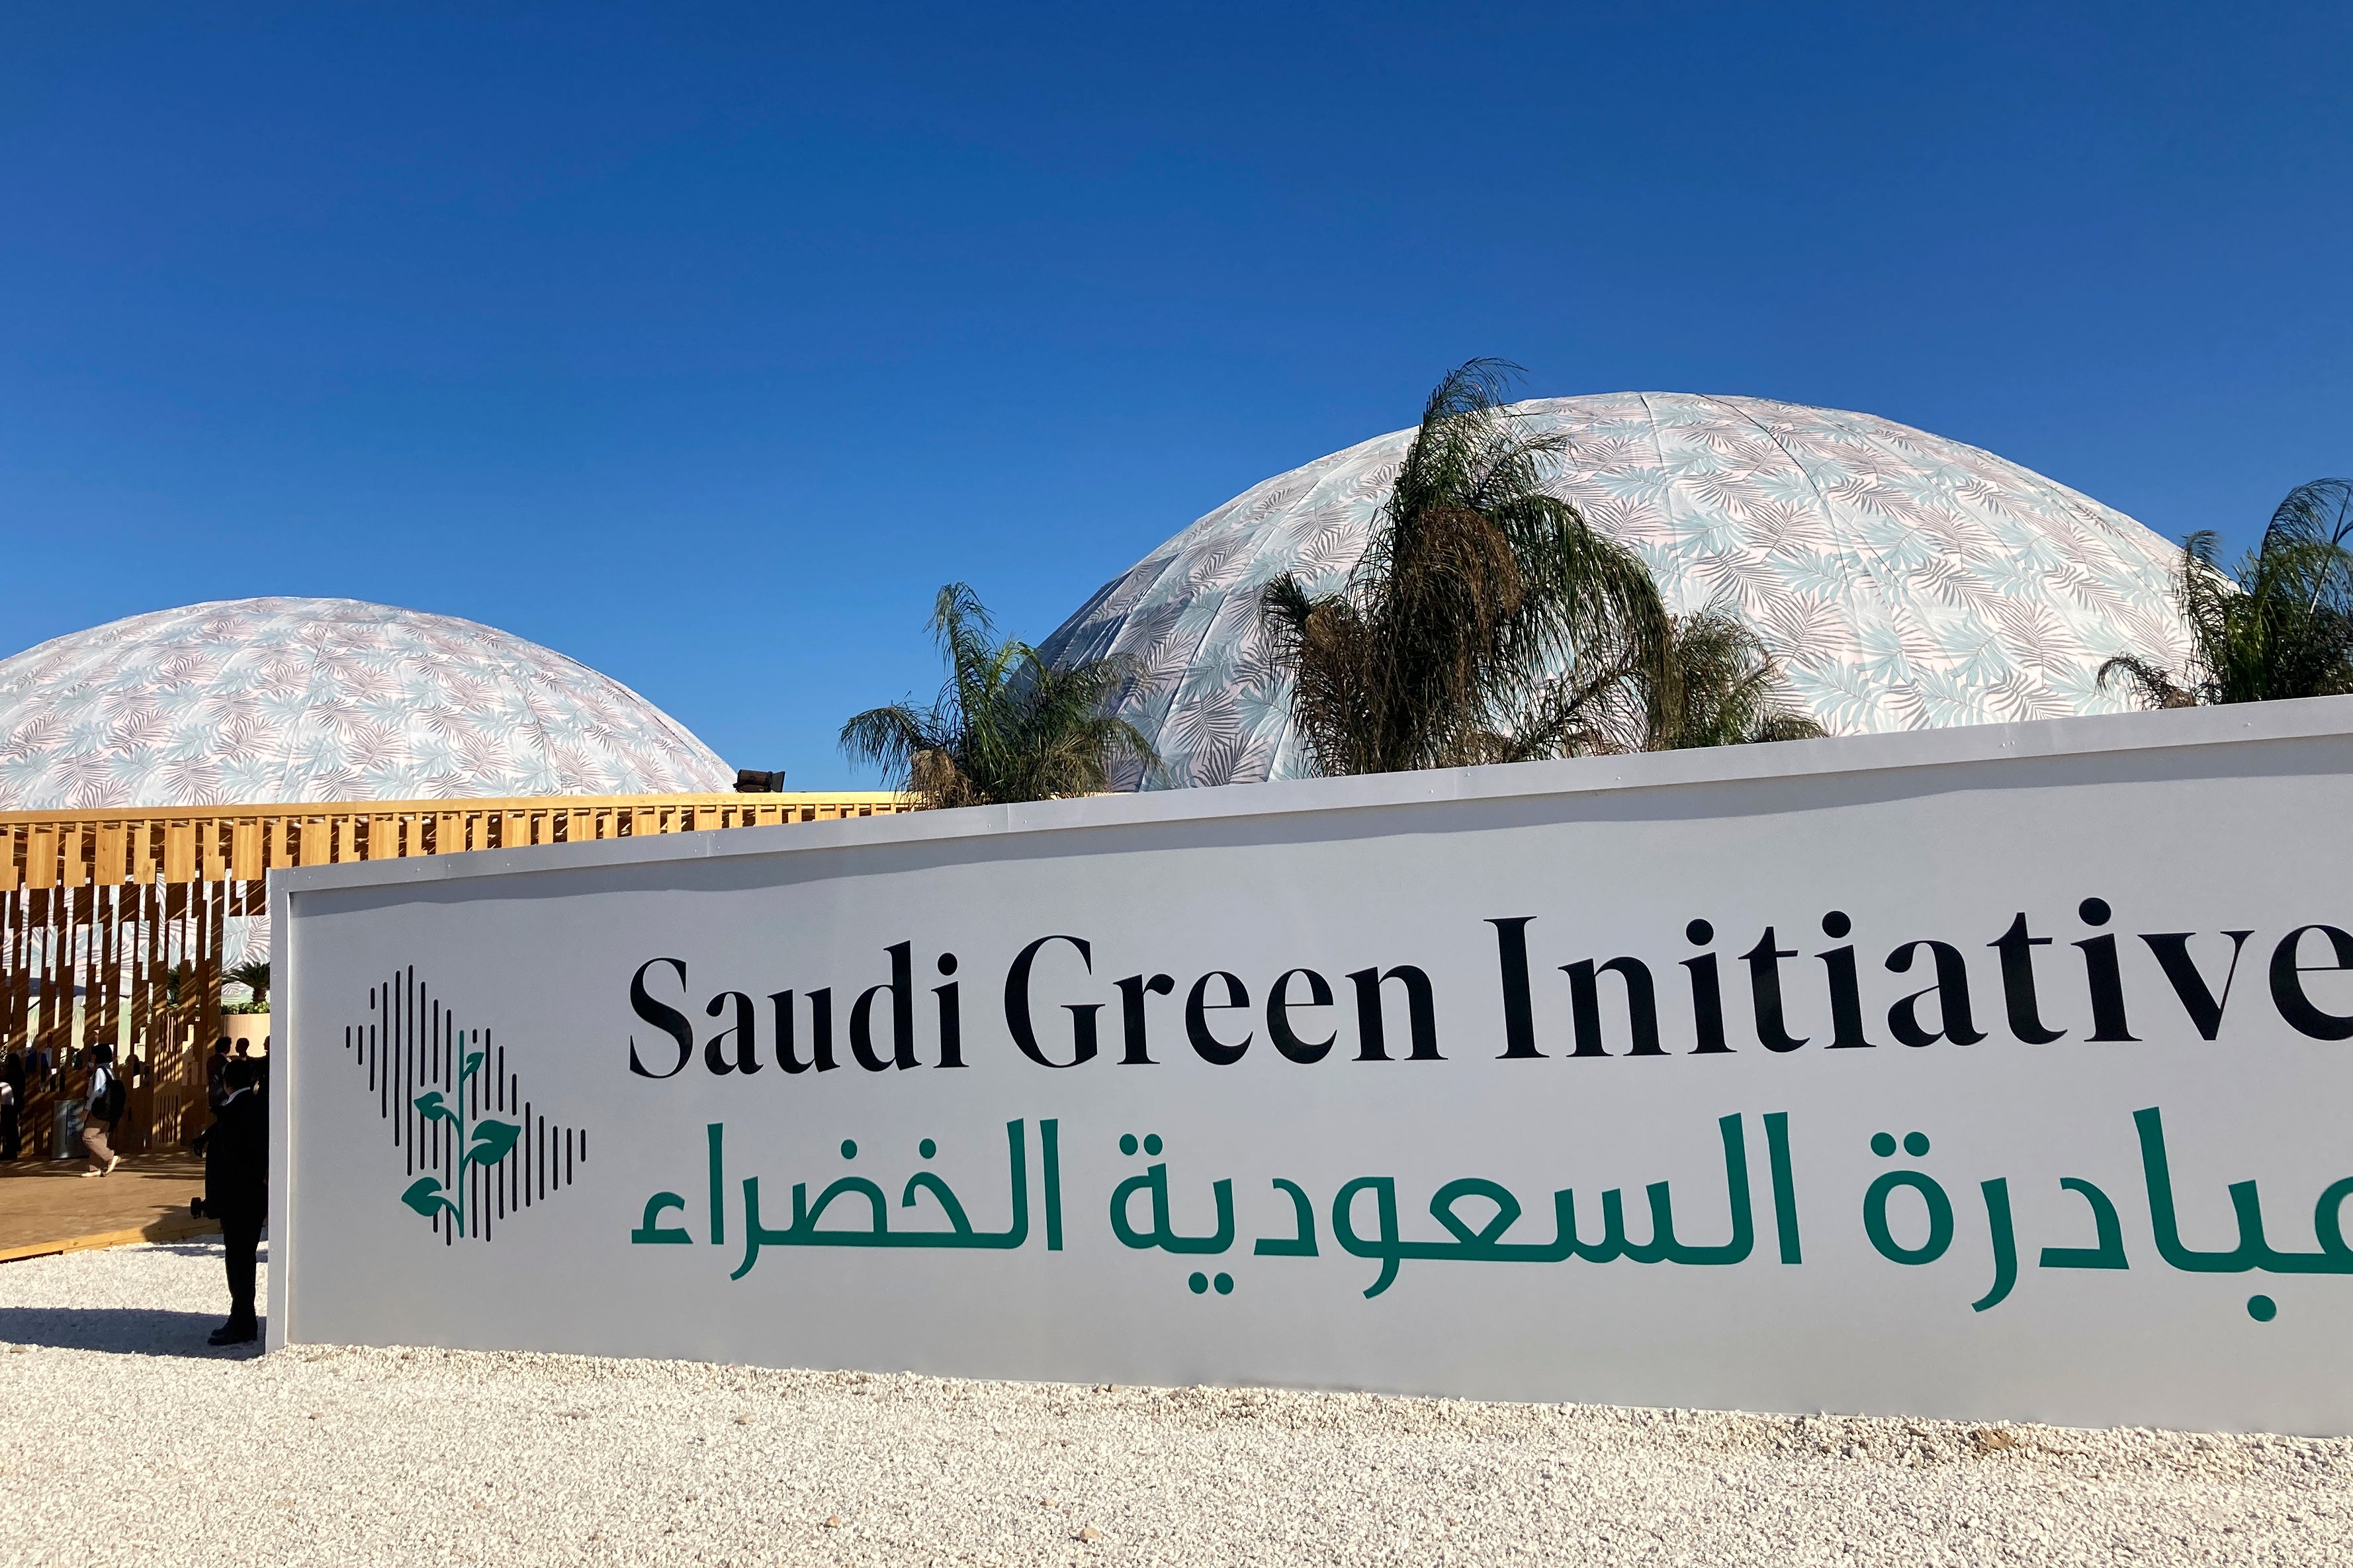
286	700
282	700
1902	580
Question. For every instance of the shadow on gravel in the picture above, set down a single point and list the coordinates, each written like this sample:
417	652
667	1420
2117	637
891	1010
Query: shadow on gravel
200	1248
135	1331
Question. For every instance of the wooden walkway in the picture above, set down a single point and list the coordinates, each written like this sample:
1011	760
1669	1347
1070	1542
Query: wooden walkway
47	1207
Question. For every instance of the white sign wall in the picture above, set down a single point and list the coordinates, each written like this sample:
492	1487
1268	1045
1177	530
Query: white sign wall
1994	1073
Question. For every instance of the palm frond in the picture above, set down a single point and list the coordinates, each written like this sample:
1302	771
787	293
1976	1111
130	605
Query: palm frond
1722	688
253	974
2279	625
1788	726
890	738
1486	620
2151	682
2318	512
1006	726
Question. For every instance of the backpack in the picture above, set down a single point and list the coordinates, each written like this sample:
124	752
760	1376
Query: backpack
113	1099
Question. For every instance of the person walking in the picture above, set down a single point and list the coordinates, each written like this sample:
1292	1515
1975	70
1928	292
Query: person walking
100	1112
236	1189
12	1103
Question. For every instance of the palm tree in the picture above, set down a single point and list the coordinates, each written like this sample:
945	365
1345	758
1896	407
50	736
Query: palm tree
1485	622
1005	727
2280	625
253	975
1723	688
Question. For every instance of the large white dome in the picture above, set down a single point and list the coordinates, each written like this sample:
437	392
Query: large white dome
260	700
1902	580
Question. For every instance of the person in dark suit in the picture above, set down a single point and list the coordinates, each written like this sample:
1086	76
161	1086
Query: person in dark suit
215	1066
12	1102
236	1189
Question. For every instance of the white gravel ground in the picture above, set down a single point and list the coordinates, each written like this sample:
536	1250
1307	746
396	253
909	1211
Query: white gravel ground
129	1442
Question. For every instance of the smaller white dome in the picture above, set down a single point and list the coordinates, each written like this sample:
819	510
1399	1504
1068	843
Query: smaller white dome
251	702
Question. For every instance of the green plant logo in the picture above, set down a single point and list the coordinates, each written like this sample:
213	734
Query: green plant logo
475	1148
485	1143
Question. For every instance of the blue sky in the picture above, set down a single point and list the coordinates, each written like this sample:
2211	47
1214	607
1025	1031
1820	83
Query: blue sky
702	343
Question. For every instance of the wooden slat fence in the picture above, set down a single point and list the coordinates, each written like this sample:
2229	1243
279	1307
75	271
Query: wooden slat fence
113	923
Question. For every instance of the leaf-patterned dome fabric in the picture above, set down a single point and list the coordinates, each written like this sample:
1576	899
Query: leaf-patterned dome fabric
1902	580
263	700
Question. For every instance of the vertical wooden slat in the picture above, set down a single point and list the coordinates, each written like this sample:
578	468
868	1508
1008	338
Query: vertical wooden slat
51	906
154	1025
245	860
11	970
114	853
81	993
134	1004
216	942
179	852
